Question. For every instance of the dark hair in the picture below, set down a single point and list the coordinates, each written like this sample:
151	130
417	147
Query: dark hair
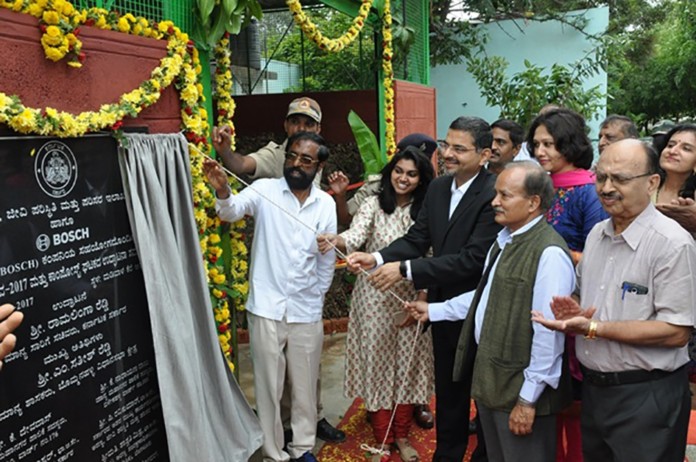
387	195
536	182
478	128
426	144
569	133
323	152
689	187
628	128
514	129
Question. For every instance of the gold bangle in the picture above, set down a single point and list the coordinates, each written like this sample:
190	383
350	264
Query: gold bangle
592	331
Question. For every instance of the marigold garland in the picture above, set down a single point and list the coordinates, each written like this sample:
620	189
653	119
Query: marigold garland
388	82
180	66
333	45
223	85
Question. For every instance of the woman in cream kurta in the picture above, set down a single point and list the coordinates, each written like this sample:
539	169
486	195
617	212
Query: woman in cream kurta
378	346
377	349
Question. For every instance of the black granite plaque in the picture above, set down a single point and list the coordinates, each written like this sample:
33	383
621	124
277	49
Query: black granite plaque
81	383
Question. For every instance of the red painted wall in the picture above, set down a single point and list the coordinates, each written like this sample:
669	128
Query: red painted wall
257	114
116	63
414	107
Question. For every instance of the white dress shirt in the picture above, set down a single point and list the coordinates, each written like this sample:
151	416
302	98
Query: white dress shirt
555	276
289	276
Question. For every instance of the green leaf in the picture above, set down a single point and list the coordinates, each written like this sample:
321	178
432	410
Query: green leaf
221	21
229	6
371	154
205	7
255	9
199	36
234	26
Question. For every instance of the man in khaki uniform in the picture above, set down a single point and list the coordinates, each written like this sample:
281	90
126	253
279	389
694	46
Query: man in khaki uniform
304	115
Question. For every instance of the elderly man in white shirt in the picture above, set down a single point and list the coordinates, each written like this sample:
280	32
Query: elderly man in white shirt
288	280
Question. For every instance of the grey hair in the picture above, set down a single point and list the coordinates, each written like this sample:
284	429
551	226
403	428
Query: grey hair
536	182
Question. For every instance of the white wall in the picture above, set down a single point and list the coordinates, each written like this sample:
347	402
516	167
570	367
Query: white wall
542	43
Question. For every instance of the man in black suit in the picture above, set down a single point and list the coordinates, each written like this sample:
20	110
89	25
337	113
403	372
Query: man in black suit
458	222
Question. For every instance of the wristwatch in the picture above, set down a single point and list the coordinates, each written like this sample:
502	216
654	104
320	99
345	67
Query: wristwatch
402	268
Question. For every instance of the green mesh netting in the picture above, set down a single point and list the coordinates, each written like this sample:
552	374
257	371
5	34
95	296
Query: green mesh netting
179	11
415	67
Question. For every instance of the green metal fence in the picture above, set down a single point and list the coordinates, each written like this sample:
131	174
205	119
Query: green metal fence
415	66
179	11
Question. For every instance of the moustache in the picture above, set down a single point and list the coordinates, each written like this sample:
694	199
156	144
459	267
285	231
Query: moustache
611	196
498	210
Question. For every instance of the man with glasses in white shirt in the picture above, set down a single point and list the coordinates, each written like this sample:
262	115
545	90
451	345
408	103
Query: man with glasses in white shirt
289	278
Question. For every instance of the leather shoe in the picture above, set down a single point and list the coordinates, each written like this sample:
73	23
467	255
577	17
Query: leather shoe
328	432
473	427
423	416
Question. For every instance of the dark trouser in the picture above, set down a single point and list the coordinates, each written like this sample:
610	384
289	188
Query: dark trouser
638	422
504	446
452	398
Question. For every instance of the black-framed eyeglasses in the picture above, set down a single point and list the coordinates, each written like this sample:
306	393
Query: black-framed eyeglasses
459	149
620	180
305	160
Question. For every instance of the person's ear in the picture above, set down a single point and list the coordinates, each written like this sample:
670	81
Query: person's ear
653	183
485	155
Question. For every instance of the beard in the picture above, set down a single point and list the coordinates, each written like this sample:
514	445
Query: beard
300	182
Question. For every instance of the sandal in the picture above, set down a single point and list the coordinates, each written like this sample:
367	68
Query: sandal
407	452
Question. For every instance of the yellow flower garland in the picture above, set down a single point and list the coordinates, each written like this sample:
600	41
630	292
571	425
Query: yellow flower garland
387	56
333	45
182	67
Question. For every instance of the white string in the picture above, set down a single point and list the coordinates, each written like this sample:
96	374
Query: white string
381	451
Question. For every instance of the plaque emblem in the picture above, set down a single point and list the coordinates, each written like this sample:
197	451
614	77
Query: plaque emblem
56	169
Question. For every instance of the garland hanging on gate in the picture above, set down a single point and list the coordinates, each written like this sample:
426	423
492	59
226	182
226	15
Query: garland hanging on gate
314	34
388	83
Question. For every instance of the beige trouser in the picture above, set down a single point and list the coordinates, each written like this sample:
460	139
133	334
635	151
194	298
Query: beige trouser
285	402
277	347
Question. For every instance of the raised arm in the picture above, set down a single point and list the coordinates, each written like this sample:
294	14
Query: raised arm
237	163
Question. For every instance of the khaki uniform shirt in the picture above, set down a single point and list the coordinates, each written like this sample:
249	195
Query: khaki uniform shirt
369	188
270	161
653	253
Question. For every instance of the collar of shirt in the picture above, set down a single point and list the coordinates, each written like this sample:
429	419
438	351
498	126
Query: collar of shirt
505	236
456	194
635	231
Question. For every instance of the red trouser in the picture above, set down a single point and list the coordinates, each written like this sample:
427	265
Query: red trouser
400	427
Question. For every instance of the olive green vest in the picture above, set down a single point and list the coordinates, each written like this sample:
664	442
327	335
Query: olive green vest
496	366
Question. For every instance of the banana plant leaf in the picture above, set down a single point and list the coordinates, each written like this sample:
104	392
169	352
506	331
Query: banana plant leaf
373	158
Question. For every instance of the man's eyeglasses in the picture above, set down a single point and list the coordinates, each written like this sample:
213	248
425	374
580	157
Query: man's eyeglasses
459	149
305	160
620	180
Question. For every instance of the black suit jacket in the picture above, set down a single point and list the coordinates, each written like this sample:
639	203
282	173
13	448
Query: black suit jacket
459	244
